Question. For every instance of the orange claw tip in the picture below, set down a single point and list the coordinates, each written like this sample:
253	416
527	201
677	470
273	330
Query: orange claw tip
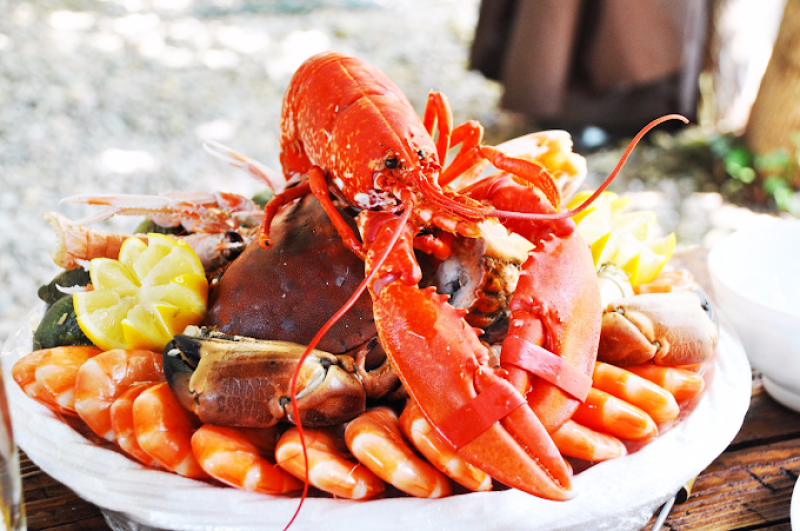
264	242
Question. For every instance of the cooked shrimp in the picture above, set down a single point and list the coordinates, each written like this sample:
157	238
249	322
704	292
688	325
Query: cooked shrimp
122	423
374	439
24	373
644	394
681	383
236	456
422	435
164	430
103	378
667	281
328	469
57	372
575	440
608	414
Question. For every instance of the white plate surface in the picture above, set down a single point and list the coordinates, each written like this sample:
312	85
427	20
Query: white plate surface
620	494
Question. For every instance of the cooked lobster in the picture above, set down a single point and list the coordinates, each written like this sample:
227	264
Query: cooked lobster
348	131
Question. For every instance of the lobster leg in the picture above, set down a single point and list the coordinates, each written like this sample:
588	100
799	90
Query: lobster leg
555	311
275	204
316	184
472	154
469	135
319	187
437	111
441	362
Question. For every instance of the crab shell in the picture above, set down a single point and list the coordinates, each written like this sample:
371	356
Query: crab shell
288	291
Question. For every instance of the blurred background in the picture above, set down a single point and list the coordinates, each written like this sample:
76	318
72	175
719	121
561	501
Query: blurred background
117	96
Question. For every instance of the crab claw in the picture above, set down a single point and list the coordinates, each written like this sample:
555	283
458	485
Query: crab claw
442	364
676	328
237	381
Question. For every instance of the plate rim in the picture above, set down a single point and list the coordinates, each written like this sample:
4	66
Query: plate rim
487	510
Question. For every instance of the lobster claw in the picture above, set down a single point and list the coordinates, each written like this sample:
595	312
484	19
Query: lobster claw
442	364
238	381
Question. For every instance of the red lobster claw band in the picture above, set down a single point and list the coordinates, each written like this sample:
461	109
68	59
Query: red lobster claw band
476	416
547	366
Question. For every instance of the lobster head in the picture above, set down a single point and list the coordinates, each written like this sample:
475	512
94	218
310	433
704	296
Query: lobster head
352	114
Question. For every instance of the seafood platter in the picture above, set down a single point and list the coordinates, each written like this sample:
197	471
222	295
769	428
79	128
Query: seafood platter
413	327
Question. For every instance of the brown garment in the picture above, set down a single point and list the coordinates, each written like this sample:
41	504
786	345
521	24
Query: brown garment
612	63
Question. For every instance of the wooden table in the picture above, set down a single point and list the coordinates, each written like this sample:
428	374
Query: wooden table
748	487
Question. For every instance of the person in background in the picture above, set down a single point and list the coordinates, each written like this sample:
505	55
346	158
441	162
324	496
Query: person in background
613	64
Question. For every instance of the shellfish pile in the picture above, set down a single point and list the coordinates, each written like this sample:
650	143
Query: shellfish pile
387	319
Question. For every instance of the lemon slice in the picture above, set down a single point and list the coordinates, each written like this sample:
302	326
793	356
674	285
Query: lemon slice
651	259
623	239
154	291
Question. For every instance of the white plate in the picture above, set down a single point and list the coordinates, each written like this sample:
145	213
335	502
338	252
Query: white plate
794	515
620	494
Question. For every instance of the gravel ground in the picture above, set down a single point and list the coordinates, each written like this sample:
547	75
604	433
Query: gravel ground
116	96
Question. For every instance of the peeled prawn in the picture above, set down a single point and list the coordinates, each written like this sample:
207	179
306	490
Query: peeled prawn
682	384
608	414
164	430
103	378
644	394
123	426
441	455
236	456
328	468
575	440
374	439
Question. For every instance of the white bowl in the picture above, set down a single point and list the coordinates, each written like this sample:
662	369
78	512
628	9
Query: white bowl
756	279
794	517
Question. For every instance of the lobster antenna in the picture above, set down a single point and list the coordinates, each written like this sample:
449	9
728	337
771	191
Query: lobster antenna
318	337
437	197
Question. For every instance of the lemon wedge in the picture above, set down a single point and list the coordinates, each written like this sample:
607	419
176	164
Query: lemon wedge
623	239
140	301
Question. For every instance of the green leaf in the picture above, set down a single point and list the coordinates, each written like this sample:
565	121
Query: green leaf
774	162
747	175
